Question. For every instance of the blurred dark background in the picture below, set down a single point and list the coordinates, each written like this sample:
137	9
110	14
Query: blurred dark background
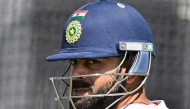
30	30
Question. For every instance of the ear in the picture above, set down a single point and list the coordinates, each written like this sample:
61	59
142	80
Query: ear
131	79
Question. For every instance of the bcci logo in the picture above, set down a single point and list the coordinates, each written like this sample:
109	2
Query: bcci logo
73	32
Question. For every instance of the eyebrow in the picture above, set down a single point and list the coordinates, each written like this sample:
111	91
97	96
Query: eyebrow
95	58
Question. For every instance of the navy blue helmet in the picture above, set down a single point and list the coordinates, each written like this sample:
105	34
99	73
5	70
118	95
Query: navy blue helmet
105	29
96	29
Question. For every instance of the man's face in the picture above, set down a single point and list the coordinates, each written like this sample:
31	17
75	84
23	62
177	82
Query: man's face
94	84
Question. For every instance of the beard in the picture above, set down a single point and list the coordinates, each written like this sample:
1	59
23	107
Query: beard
95	102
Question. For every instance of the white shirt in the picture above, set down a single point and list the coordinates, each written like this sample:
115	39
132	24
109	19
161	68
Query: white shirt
160	105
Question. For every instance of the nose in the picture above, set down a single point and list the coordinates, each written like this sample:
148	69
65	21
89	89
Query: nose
78	70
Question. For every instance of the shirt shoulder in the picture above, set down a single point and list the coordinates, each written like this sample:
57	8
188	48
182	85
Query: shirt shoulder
160	105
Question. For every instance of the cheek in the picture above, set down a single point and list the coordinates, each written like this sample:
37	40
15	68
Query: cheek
100	81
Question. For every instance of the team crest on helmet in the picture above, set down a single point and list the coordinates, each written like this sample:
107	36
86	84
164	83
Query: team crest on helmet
73	32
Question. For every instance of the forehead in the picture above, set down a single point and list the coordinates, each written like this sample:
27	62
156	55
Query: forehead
103	59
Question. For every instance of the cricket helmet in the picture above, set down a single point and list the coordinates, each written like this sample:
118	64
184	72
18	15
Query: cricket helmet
104	29
96	30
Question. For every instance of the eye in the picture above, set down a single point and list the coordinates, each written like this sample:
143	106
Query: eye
93	62
73	62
